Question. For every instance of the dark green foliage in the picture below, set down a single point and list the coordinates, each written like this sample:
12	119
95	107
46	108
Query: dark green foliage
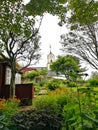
42	83
40	7
81	114
72	84
84	11
61	101
25	102
44	119
31	75
45	102
53	84
6	124
69	66
93	82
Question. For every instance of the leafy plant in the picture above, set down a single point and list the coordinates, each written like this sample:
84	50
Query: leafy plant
80	113
72	84
44	119
69	66
53	84
93	82
7	109
6	124
9	106
45	102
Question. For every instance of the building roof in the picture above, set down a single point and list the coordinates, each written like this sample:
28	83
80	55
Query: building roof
28	69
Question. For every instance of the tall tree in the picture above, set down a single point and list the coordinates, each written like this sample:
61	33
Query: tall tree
80	12
19	38
68	66
83	43
82	38
55	7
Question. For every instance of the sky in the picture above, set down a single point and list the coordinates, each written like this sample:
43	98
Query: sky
50	33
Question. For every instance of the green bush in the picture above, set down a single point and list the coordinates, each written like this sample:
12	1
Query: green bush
93	82
72	84
61	101
53	84
44	119
7	109
6	124
44	102
42	83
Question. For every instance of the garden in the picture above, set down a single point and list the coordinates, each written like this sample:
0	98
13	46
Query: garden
70	104
60	108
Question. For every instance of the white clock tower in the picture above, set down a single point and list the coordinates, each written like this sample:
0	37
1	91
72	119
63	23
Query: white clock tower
50	59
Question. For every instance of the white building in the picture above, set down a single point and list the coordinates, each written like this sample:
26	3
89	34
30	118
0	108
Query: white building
50	59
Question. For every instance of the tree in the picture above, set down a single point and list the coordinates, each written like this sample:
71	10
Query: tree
68	65
19	38
42	72
81	40
80	12
55	7
82	43
31	75
35	74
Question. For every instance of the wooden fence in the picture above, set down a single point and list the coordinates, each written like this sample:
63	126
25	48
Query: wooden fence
24	92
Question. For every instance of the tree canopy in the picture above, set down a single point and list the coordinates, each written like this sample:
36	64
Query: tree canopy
54	7
81	40
82	12
35	73
68	66
19	38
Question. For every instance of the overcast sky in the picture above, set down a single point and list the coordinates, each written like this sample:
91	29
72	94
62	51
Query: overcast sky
50	33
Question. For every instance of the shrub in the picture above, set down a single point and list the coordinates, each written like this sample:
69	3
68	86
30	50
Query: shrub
55	100
53	84
93	82
44	119
7	109
44	102
72	84
42	83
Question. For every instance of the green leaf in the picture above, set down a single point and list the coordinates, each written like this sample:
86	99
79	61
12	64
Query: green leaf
86	90
89	117
88	124
71	106
5	128
73	118
1	126
2	117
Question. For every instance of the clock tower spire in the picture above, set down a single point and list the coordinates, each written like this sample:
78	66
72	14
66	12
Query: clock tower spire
50	58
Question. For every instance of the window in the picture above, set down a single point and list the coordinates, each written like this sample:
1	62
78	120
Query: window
8	76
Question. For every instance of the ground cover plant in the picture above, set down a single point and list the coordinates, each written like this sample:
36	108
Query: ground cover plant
7	109
78	106
65	108
38	120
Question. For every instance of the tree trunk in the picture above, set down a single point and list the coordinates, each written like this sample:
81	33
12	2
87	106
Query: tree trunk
12	82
